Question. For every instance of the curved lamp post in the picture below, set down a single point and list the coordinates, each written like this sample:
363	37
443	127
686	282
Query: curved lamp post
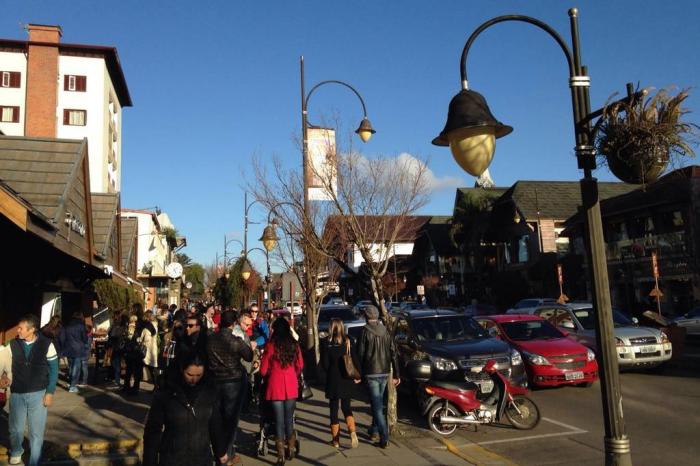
364	131
471	131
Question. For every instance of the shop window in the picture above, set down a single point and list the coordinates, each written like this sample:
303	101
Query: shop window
72	117
617	231
562	242
74	83
10	78
9	114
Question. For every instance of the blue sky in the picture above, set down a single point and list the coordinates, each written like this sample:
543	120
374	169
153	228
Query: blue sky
215	82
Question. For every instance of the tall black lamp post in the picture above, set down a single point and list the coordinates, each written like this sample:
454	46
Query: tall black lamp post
364	131
471	131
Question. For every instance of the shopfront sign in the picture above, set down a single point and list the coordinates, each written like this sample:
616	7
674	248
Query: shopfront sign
75	224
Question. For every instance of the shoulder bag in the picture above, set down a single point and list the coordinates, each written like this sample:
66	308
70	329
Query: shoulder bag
351	371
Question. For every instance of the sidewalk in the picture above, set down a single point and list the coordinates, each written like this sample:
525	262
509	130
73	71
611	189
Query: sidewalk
100	427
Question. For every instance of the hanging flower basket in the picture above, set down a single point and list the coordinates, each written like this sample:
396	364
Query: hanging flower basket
639	140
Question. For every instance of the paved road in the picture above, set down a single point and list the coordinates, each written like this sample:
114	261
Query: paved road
662	413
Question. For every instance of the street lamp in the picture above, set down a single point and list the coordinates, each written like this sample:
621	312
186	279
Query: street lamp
471	131
364	131
246	270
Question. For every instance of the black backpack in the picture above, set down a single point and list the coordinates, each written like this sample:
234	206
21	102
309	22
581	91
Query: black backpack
133	349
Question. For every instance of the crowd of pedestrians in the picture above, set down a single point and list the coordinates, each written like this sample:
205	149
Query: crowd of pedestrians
207	365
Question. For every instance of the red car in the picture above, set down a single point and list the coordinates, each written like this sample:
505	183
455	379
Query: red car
551	359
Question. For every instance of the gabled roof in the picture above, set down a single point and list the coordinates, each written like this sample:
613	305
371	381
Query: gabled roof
104	212
130	227
556	200
437	231
379	228
41	170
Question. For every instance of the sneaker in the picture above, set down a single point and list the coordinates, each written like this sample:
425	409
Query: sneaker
73	390
16	459
82	385
373	437
383	444
234	460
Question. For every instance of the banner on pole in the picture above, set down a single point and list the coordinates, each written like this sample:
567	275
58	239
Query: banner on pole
321	160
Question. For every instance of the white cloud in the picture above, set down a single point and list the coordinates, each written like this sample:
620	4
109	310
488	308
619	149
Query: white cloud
433	182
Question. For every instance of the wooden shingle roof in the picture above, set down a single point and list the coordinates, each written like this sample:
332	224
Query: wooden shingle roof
129	231
556	200
104	214
40	170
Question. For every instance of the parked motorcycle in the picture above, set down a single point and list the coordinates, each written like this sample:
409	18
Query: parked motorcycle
449	405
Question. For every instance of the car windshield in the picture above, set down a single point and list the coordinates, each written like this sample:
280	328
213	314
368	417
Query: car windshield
342	313
450	328
525	330
587	318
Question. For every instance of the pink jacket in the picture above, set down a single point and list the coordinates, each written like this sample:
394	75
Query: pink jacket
282	382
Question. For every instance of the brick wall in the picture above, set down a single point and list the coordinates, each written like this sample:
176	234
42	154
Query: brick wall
42	81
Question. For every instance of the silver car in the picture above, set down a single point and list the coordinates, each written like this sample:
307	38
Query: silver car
636	346
691	321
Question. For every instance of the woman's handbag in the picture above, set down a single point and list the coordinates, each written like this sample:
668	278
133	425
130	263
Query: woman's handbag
351	371
305	392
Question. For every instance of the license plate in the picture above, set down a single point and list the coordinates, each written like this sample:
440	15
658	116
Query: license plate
573	375
647	349
486	386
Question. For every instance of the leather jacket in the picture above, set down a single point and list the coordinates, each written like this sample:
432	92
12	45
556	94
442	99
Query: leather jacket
376	351
224	353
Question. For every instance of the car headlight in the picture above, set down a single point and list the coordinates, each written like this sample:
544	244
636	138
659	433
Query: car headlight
590	356
619	342
515	358
536	359
443	364
664	337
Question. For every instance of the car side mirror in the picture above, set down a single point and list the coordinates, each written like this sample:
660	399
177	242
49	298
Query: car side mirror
568	325
635	321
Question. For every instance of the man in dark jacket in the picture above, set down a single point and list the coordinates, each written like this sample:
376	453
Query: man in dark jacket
225	351
73	341
34	365
377	356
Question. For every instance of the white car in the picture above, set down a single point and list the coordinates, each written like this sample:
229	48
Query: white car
691	321
294	309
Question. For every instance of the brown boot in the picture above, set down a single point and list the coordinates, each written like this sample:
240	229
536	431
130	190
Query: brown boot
335	435
280	452
292	446
350	420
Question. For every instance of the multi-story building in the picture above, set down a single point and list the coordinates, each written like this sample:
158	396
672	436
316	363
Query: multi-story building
50	89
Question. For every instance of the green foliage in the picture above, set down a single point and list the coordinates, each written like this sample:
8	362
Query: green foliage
115	297
183	259
194	273
170	234
470	218
233	291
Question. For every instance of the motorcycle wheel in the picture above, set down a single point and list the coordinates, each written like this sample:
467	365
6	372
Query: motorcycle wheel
444	430
528	416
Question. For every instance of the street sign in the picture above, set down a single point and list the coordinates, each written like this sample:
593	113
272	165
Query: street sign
420	290
560	278
655	264
656	293
451	290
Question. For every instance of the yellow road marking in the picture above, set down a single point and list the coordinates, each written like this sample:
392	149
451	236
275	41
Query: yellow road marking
477	455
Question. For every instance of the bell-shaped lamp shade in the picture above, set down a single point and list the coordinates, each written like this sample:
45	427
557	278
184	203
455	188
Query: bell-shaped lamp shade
269	237
471	132
246	271
365	130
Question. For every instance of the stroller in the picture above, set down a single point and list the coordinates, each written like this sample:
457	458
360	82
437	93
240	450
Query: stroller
266	435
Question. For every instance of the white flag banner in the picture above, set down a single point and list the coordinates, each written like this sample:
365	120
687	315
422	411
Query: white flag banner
322	163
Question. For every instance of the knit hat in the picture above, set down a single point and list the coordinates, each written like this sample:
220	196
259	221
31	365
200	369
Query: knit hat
371	312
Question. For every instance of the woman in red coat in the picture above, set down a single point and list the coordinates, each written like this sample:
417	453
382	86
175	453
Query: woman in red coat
282	364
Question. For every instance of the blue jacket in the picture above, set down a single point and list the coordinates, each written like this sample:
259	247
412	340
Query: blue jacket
261	332
73	340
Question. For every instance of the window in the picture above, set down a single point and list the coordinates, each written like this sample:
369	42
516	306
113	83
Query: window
74	83
74	117
10	78
9	114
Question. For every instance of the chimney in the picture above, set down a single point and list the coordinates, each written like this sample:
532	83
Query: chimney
44	33
42	80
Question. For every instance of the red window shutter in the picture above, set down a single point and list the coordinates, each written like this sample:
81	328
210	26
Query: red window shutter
81	82
15	78
65	112
15	114
65	83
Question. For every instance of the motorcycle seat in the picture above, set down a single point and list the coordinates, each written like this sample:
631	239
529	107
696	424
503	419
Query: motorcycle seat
459	386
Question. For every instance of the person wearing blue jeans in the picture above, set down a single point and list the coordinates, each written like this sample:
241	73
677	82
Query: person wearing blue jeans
34	377
377	360
73	340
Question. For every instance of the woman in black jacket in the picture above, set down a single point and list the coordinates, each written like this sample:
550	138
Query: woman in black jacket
183	424
339	388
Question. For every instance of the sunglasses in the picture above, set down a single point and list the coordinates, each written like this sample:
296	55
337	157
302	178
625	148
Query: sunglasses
192	325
